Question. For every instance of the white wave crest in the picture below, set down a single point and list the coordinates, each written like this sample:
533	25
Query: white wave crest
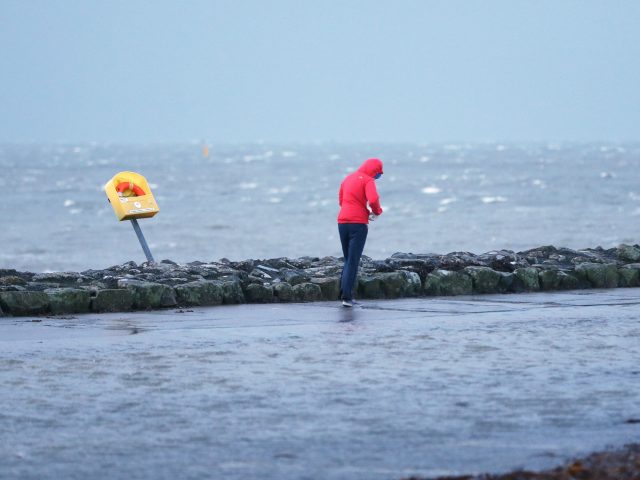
497	199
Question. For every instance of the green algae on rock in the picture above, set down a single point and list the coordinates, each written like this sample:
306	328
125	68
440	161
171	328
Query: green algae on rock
24	303
112	300
68	300
199	293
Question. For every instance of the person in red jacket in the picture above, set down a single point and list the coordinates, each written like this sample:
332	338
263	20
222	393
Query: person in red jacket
356	192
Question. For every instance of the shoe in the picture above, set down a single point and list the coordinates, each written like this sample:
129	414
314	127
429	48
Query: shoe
347	303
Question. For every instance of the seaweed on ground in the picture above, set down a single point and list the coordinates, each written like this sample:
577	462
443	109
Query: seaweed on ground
622	464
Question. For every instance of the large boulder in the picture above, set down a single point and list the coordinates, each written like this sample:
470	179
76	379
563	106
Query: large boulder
509	282
199	293
485	280
599	275
501	260
456	261
431	285
149	295
244	265
232	292
369	286
293	277
307	292
549	279
283	292
400	284
24	303
112	300
69	300
528	277
418	263
572	281
629	275
628	253
258	293
330	287
446	282
261	275
277	264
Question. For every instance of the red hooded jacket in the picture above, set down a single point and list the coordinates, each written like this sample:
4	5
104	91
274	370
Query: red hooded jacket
357	190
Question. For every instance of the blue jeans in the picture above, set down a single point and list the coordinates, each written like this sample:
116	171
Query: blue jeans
353	237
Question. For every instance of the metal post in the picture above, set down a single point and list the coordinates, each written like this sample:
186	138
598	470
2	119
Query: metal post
142	240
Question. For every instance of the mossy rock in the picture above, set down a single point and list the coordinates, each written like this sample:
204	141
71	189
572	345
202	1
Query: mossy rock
549	279
257	293
600	275
149	295
307	292
446	282
283	292
369	286
330	287
199	293
510	283
529	278
399	284
69	300
628	253
24	303
456	283
629	275
485	279
112	300
232	292
422	266
575	279
431	286
293	277
571	281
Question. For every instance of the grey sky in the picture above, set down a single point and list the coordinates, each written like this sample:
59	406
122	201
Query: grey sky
145	71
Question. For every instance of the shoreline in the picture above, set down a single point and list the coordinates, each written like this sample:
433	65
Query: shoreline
167	284
616	464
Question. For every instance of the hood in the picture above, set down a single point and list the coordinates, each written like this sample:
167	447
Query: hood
371	167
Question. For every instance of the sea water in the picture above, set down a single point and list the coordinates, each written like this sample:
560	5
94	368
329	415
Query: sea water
264	201
438	386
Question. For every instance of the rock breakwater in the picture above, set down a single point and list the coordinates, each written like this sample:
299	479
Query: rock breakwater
167	284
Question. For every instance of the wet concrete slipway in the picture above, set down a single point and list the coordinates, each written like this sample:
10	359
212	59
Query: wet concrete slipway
422	386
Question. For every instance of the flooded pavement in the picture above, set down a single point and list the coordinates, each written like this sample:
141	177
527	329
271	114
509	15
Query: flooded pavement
428	387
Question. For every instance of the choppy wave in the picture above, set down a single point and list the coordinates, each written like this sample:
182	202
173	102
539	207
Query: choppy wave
280	200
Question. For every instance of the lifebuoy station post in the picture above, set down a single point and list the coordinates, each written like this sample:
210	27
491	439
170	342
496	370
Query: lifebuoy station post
131	198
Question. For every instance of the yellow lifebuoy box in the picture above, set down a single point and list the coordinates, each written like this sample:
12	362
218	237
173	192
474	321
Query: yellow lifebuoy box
130	196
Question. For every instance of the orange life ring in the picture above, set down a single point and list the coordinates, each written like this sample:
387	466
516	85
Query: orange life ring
124	186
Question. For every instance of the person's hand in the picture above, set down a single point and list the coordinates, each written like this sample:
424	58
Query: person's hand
372	217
